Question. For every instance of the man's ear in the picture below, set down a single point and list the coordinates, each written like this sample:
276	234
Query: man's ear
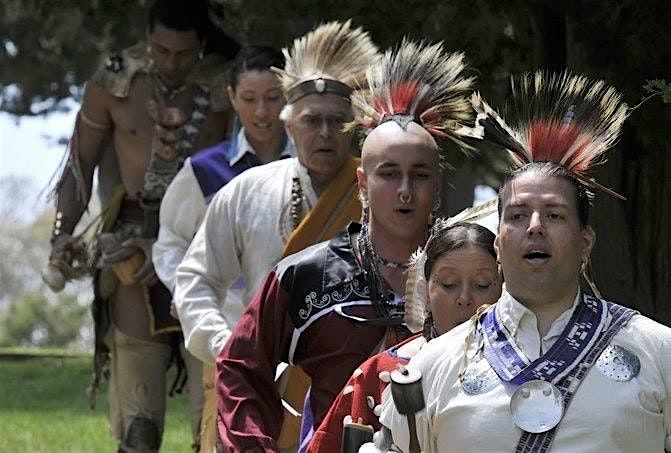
287	120
231	97
496	248
588	241
362	181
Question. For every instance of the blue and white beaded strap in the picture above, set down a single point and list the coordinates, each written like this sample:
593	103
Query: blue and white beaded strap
510	363
541	442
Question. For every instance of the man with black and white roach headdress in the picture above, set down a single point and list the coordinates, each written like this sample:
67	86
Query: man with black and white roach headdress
549	365
329	307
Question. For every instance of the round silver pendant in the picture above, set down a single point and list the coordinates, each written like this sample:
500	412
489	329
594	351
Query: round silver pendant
618	363
537	406
478	378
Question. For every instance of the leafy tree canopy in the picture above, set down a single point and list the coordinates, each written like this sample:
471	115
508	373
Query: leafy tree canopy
49	48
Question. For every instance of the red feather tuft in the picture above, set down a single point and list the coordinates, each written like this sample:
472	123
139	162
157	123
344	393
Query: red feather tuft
379	106
565	119
419	83
402	95
551	141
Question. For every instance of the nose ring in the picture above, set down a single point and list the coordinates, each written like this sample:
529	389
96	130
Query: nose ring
405	198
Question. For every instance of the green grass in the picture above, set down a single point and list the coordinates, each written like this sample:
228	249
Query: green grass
44	408
20	351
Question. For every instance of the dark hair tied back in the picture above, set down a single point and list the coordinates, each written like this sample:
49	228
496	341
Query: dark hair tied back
255	58
458	236
583	196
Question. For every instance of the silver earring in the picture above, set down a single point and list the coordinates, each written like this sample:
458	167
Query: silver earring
363	199
150	60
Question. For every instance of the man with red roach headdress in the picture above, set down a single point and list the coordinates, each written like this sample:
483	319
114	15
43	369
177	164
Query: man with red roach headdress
329	307
550	365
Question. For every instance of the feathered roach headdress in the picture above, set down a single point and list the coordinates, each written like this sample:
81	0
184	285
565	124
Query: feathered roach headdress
561	118
420	83
416	287
330	59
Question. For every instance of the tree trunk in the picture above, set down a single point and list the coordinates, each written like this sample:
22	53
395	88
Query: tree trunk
632	256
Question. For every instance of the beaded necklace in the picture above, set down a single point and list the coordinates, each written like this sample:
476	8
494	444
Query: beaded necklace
174	138
161	90
296	202
381	293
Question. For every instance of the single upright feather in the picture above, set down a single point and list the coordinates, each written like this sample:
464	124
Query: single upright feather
416	293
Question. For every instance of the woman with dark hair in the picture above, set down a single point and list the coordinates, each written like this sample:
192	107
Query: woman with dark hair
448	281
256	97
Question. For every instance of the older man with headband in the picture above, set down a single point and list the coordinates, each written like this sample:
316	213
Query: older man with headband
276	209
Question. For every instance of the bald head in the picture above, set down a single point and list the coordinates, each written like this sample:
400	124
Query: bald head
389	136
400	179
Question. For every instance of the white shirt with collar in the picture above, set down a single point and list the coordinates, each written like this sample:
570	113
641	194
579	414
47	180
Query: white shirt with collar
183	209
604	415
243	234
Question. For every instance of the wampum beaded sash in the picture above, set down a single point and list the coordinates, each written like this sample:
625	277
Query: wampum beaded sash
575	341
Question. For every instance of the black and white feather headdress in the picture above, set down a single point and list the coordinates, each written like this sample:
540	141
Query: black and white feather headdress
330	59
559	117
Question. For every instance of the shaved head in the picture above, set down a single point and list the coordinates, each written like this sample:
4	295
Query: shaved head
390	135
400	179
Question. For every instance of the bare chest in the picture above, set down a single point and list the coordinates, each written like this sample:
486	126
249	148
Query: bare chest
135	127
131	115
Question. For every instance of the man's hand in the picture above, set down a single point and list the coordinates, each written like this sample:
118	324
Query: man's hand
146	273
62	247
68	260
